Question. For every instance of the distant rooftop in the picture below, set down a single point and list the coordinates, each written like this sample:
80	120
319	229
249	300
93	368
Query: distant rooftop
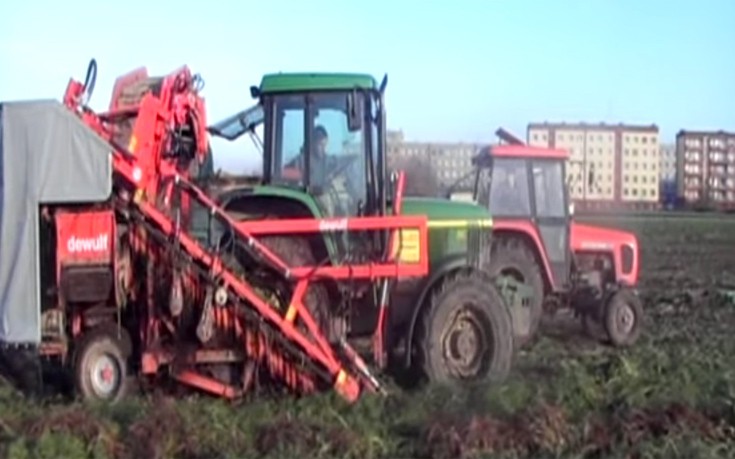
719	132
588	126
284	82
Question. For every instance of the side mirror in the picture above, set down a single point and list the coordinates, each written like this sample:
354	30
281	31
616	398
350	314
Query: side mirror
354	112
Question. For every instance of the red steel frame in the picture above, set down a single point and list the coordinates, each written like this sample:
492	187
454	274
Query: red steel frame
146	169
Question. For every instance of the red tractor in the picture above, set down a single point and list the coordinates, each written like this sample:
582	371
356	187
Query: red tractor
536	241
101	275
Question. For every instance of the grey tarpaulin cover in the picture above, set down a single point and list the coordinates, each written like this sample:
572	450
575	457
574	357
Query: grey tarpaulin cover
47	155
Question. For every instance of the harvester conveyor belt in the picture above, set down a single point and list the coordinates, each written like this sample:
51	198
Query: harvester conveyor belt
321	358
245	311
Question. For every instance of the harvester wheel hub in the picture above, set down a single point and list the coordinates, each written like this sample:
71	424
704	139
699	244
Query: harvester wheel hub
105	375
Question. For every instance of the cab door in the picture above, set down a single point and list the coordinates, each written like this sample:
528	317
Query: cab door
551	214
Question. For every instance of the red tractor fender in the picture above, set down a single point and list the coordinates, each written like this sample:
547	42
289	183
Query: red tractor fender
621	245
529	232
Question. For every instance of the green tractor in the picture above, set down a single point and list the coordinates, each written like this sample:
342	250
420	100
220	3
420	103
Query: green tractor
324	157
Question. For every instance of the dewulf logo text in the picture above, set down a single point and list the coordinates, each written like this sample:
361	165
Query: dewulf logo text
87	245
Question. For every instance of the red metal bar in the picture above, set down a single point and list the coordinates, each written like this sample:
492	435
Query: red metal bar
207	384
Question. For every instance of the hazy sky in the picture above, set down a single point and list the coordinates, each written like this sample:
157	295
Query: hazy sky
456	70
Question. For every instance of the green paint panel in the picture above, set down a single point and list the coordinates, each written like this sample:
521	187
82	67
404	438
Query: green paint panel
444	209
449	239
285	82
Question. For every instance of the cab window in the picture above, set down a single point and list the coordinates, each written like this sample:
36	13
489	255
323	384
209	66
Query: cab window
509	194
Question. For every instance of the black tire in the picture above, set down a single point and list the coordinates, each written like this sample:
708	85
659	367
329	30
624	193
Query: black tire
492	322
623	317
97	347
512	254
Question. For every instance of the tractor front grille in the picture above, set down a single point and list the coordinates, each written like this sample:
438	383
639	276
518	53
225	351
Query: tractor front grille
627	257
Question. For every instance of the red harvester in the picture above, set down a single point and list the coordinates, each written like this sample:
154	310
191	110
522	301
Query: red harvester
101	276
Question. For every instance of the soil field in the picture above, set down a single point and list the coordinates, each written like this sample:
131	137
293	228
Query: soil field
670	396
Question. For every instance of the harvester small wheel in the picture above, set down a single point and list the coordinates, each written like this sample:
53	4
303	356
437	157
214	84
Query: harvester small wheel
622	318
512	257
101	370
465	333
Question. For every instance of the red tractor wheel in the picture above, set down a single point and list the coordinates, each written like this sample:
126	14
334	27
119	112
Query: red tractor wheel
622	318
512	257
101	371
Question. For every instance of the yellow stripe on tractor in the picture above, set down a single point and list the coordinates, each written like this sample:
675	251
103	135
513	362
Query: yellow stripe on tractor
483	223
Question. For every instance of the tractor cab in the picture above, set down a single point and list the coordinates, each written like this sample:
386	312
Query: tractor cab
524	188
322	139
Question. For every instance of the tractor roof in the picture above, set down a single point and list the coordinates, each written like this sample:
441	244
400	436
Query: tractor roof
285	82
522	151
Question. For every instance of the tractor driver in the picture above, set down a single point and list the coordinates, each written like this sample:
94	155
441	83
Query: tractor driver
318	159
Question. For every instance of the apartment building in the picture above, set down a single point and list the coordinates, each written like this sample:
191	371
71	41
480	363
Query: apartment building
450	161
705	163
623	161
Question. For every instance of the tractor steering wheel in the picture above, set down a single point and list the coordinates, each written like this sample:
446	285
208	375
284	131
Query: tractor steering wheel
341	168
332	178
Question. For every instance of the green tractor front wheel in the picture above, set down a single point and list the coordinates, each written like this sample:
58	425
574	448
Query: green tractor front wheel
465	332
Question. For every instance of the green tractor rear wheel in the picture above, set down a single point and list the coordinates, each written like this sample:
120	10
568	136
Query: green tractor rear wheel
465	332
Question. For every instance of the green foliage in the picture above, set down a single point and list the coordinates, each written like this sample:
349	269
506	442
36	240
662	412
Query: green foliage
670	396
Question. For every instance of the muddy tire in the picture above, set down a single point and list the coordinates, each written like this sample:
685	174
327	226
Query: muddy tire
101	369
512	256
465	334
623	315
